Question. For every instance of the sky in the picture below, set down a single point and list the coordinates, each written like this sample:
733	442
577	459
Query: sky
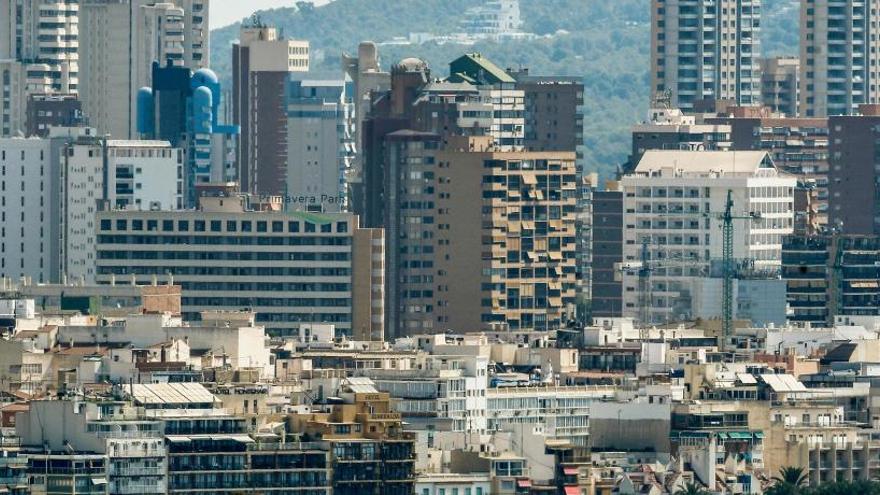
225	12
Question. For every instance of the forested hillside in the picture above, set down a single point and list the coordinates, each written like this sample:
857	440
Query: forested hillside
604	41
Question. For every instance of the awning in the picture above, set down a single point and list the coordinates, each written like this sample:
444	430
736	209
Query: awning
177	438
572	490
570	471
739	435
759	434
524	483
99	481
529	178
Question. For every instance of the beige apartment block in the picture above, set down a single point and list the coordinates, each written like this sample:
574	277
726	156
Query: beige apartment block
481	238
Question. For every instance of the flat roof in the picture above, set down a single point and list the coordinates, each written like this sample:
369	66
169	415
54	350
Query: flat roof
705	161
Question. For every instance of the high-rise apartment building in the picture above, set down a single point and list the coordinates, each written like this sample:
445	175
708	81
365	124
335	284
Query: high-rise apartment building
554	121
478	237
831	275
367	78
29	208
839	59
493	19
500	89
671	129
262	62
125	174
183	108
478	99
671	209
51	188
780	85
706	49
39	43
798	147
320	144
854	172
120	40
607	251
289	268
838	71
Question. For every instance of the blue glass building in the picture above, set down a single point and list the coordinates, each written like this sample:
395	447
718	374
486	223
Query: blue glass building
183	107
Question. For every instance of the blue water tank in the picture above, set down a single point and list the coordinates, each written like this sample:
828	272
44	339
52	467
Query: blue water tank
145	112
203	112
204	77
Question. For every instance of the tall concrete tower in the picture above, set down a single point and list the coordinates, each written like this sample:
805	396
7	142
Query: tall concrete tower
706	49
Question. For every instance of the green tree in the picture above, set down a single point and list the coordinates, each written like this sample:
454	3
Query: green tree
859	487
790	481
691	489
791	475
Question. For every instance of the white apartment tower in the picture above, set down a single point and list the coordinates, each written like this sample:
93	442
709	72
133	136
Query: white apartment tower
121	174
120	41
672	202
494	18
28	235
51	188
39	41
320	144
839	56
706	49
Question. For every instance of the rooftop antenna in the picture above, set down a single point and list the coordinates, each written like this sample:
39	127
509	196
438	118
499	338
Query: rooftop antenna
663	99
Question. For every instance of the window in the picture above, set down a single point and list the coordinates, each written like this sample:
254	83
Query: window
277	226
199	225
215	226
167	225
261	226
293	226
105	224
183	225
122	225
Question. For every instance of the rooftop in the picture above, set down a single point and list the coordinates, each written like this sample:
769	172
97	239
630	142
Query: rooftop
736	162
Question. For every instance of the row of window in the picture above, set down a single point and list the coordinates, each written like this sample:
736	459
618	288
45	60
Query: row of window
183	271
277	226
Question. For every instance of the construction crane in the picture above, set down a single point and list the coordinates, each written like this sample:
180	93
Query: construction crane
728	269
645	266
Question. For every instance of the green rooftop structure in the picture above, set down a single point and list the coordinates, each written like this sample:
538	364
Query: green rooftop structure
476	69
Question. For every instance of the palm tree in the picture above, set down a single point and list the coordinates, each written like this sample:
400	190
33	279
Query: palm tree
792	476
691	489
